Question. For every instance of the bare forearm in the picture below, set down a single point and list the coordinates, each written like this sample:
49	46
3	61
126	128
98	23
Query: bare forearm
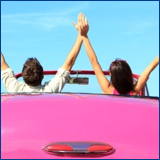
103	81
153	64
150	67
90	52
4	66
73	54
145	75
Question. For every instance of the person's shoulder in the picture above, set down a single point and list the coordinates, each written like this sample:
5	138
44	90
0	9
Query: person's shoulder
111	89
62	70
8	70
134	93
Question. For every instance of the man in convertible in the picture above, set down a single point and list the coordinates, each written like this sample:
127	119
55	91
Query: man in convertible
32	72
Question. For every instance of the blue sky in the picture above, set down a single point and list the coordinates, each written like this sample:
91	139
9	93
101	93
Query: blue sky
118	29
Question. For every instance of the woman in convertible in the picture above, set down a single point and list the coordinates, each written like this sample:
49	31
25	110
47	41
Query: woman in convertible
121	81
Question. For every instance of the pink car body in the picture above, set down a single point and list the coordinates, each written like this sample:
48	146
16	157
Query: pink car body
32	121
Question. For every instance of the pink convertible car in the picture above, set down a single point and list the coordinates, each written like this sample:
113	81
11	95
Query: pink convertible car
79	125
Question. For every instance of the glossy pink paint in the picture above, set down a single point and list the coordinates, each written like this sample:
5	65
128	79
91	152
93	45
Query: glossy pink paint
30	122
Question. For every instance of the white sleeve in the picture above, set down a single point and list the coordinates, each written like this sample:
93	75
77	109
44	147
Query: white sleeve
10	82
57	83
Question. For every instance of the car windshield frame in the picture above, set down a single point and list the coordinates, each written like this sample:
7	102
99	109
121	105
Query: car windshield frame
64	93
81	72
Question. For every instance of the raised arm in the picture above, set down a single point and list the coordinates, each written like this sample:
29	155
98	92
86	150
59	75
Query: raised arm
145	75
103	81
70	60
4	65
10	82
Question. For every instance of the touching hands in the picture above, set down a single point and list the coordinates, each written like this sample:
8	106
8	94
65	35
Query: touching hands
82	25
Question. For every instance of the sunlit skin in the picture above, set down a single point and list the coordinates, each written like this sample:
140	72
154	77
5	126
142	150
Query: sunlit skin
104	83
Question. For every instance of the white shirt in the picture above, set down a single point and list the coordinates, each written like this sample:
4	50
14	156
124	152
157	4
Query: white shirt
56	84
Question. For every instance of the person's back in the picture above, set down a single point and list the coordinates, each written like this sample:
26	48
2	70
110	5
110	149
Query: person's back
32	74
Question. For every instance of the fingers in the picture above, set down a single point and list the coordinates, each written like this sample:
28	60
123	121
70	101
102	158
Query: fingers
82	24
77	26
86	21
83	20
79	17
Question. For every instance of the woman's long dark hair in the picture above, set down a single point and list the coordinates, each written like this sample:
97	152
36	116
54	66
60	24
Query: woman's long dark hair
121	76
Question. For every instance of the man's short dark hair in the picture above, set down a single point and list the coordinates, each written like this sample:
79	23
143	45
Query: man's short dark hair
32	72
